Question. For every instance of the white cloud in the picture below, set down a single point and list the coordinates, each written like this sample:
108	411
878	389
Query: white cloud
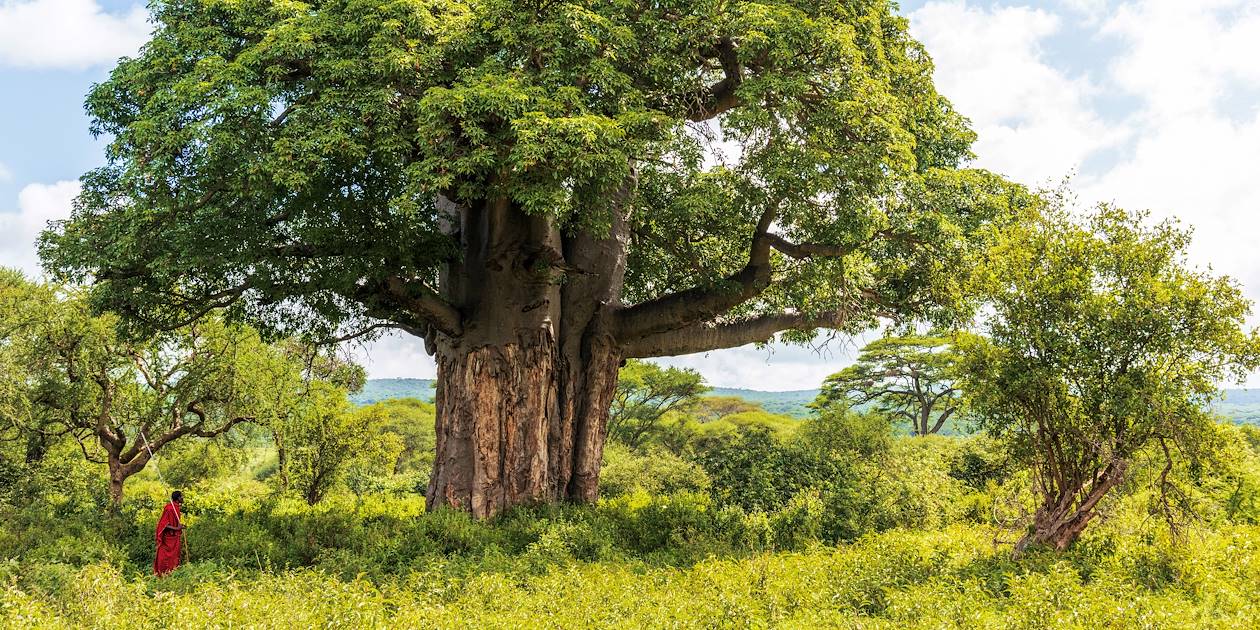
1185	148
37	205
777	367
6	175
1196	157
72	34
1183	57
1087	7
1202	170
1034	121
396	355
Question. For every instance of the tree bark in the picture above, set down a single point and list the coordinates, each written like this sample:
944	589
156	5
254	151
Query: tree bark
524	389
1061	519
119	472
116	480
517	424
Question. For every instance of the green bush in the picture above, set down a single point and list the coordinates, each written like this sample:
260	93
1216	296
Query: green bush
655	471
743	532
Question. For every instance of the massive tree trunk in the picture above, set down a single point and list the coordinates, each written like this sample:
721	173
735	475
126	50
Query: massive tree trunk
524	387
520	422
528	331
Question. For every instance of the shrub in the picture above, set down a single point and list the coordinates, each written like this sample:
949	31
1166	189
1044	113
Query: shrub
653	472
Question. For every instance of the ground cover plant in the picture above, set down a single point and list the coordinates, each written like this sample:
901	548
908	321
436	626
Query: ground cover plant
896	531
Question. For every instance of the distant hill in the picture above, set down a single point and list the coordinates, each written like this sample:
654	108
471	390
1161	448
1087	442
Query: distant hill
787	403
378	389
1240	405
791	403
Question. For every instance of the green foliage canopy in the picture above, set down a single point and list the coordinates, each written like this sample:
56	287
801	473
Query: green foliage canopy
1102	341
645	393
908	377
68	375
290	159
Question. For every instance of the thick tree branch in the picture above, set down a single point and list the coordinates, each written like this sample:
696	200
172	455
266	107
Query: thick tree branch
421	301
806	250
410	306
703	337
700	304
712	101
940	422
198	429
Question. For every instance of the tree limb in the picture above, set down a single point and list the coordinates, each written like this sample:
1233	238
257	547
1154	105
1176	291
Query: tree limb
806	250
707	336
700	304
712	101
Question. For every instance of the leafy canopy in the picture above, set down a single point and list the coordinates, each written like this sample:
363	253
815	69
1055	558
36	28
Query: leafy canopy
909	377
1103	340
288	158
65	374
646	392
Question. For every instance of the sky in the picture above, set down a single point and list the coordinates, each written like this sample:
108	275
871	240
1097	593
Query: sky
1149	104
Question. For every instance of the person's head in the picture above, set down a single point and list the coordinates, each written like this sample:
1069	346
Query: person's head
177	497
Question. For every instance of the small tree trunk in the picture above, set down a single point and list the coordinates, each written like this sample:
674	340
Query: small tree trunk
117	476
1056	529
313	493
1060	520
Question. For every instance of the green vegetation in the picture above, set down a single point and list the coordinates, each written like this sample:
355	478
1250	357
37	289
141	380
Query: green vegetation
1236	405
790	403
1102	345
533	190
895	532
909	378
533	186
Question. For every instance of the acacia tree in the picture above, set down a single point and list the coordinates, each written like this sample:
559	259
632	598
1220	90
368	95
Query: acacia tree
645	392
125	401
907	377
1103	342
532	188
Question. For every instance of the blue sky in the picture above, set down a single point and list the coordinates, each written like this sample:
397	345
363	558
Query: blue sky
1152	104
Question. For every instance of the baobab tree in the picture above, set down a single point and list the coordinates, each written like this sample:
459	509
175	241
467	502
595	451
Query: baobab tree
536	189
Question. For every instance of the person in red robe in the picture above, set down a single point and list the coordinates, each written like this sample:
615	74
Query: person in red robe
169	535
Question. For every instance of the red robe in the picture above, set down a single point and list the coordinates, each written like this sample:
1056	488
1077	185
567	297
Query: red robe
168	541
